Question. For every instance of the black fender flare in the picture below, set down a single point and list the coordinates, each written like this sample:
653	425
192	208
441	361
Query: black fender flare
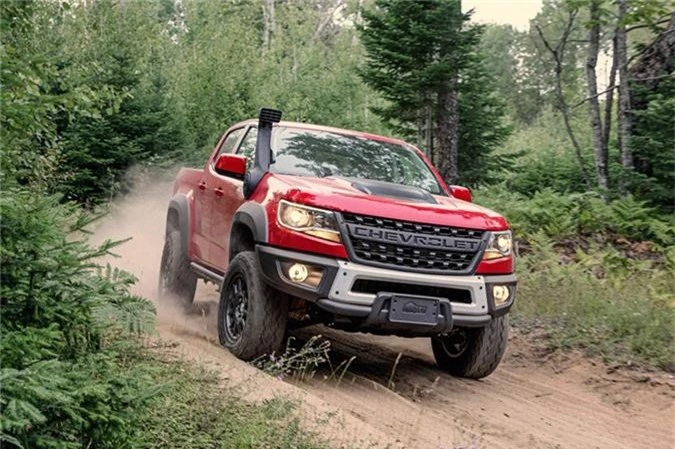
179	206
252	216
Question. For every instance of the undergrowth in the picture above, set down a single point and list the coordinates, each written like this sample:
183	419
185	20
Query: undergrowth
74	373
624	316
598	277
579	216
195	411
295	363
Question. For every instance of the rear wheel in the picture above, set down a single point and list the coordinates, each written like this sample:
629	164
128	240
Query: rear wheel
472	353
252	316
176	279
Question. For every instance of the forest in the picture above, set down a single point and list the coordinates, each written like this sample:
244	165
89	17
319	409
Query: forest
566	128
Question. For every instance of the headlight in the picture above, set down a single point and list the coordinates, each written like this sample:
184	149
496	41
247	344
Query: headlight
317	222
499	245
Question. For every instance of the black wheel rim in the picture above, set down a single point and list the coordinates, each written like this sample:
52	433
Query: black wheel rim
455	343
236	308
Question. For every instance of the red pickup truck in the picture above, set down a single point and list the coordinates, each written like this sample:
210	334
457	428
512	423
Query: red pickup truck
301	224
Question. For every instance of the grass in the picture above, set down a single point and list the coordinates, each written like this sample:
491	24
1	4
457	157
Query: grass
193	410
595	276
623	315
295	362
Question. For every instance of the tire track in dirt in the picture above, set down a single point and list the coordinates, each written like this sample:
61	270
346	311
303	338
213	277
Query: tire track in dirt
525	403
515	407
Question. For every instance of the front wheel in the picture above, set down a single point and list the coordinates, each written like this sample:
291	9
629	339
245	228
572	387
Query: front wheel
251	315
472	353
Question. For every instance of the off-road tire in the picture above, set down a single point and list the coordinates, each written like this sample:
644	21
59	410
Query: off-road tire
266	313
177	281
485	347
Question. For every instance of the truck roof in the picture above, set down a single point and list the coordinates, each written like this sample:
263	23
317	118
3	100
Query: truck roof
330	129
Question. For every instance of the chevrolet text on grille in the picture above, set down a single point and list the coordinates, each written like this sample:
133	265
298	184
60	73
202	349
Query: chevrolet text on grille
409	238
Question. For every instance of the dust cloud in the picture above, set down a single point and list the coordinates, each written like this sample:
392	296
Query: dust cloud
140	216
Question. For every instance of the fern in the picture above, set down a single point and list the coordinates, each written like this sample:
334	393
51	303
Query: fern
579	215
64	319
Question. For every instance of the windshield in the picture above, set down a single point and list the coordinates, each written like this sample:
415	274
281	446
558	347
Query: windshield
318	153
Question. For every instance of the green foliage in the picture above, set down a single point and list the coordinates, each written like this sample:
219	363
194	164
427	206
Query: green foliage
98	149
538	64
545	157
64	325
653	141
578	215
518	82
78	112
194	411
31	144
50	279
222	72
481	130
598	276
414	53
74	376
90	402
610	306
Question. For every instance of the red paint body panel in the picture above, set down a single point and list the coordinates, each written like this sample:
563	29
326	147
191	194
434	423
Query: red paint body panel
497	266
215	198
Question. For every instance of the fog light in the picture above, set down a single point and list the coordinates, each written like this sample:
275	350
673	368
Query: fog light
501	294
298	272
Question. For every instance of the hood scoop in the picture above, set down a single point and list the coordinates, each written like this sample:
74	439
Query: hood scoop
381	188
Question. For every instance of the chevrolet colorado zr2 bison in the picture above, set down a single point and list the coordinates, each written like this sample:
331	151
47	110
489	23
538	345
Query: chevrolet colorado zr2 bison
301	224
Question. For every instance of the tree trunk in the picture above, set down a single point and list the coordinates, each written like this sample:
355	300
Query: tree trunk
446	126
624	118
609	100
558	54
653	65
269	23
599	147
429	133
447	132
327	19
421	122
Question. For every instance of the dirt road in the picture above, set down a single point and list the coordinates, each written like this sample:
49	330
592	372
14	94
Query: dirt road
532	401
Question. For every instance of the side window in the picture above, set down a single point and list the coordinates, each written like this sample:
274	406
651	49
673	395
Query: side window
247	147
230	141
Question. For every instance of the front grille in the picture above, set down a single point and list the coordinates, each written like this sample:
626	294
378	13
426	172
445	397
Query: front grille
374	287
416	254
419	228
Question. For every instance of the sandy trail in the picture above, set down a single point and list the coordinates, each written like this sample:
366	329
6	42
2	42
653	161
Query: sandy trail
530	401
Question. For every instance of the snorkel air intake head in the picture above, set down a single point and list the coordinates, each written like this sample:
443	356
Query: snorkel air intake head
263	149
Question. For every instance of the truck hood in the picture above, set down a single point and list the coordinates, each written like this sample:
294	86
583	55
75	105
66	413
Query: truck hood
349	195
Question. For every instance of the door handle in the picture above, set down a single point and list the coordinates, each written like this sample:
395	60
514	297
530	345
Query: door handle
201	186
219	192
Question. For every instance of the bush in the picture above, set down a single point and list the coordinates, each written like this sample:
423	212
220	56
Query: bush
578	215
74	376
65	321
195	411
608	305
597	275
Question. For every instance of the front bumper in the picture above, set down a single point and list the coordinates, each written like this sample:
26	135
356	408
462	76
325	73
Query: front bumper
359	296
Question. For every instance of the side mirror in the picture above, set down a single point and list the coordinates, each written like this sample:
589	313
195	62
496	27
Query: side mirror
232	165
461	193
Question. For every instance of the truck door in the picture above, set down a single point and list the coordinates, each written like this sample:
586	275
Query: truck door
228	196
223	195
